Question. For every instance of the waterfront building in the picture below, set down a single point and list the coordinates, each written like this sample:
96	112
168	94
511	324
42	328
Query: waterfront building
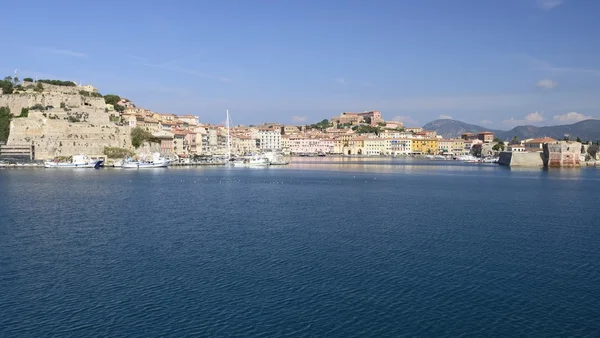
445	146
458	146
377	146
425	146
270	139
486	137
401	146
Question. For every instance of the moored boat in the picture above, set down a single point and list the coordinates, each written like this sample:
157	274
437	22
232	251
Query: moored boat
254	161
156	161
77	161
276	158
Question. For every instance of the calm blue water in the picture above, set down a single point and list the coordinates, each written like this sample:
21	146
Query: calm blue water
341	249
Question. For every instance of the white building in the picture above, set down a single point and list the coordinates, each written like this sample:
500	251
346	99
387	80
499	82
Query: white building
270	139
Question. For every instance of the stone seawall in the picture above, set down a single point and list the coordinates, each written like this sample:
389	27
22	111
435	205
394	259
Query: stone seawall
514	159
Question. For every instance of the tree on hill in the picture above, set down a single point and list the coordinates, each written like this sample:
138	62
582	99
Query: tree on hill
28	79
39	87
7	85
139	135
324	124
366	129
578	139
515	140
498	146
112	99
58	83
5	118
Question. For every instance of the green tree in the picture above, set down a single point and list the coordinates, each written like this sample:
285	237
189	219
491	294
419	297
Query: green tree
515	140
112	99
24	112
139	135
5	118
497	140
498	146
58	83
37	106
38	87
7	86
578	139
28	79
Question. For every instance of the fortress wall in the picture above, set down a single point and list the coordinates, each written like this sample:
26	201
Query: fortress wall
563	154
16	102
59	138
534	159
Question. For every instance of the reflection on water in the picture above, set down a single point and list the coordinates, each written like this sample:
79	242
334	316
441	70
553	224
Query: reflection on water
387	165
409	165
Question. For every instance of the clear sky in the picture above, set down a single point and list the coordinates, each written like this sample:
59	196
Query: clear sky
494	62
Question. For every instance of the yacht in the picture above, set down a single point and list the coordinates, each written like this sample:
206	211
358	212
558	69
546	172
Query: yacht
77	161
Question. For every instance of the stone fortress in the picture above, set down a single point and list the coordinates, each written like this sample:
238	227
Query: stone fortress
73	120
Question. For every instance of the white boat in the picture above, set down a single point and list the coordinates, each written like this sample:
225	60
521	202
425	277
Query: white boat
490	160
254	161
156	161
276	158
467	158
77	161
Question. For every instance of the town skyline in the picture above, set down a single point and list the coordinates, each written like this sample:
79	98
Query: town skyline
493	64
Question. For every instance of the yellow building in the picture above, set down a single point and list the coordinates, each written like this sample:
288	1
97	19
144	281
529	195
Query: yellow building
354	146
458	146
425	146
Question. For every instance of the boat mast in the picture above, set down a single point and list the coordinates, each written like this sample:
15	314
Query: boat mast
228	138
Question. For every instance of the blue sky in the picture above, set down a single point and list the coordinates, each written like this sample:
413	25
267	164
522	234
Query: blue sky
499	63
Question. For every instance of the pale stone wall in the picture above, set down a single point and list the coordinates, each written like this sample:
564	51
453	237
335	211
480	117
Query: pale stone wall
94	106
52	137
563	154
56	89
531	159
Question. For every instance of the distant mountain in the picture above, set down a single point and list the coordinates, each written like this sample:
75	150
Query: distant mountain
587	130
452	128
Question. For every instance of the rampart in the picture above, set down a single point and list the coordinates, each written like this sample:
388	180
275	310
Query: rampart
514	159
563	154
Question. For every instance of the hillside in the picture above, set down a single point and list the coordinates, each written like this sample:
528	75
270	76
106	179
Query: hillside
588	130
452	128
